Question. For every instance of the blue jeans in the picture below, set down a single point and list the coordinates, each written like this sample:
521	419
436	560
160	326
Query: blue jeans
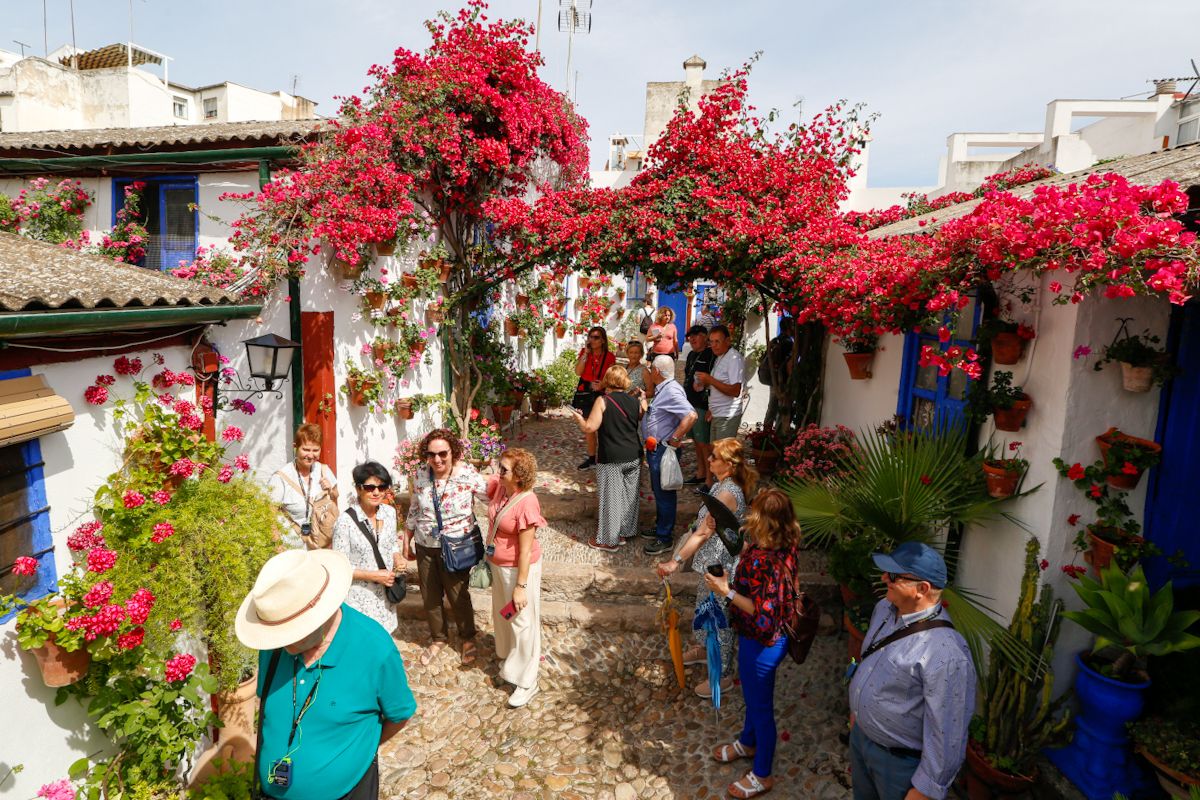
664	502
877	774
757	664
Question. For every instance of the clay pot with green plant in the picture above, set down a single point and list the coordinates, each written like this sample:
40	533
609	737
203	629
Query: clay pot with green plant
1003	475
1144	362
859	355
1172	746
1126	457
1007	404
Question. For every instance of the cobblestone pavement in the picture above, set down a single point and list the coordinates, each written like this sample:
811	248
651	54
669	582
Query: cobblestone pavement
610	723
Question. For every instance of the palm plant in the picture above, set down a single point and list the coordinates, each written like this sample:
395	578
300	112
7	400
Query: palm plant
915	485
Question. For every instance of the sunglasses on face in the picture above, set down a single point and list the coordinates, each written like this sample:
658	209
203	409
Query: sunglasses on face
371	488
896	577
595	336
437	453
504	470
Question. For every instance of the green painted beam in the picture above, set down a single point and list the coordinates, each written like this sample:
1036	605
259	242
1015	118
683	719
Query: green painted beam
28	166
21	324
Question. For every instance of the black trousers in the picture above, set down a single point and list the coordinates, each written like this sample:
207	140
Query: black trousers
368	785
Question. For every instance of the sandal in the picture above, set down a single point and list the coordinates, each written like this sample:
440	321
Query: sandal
726	753
695	655
750	786
468	653
431	653
704	690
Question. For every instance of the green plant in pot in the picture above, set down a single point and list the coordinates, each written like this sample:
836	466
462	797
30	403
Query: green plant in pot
1007	404
1172	746
1016	717
1144	361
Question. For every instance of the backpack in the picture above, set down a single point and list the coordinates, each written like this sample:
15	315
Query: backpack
779	350
647	321
323	515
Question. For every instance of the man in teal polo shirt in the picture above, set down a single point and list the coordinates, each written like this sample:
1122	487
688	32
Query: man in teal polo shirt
331	680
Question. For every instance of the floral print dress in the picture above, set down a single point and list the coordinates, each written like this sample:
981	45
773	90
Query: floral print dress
713	551
350	541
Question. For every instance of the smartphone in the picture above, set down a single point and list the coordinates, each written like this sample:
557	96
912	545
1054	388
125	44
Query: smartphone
509	611
716	570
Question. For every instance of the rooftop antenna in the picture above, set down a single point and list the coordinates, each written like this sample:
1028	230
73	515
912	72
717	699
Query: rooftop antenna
74	49
45	33
1196	79
22	46
537	30
295	81
574	16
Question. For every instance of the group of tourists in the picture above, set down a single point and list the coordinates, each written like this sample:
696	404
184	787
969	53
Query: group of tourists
335	590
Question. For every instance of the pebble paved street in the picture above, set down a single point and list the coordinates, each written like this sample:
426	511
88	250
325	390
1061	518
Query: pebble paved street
610	720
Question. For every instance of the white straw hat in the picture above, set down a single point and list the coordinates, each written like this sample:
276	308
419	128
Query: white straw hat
295	592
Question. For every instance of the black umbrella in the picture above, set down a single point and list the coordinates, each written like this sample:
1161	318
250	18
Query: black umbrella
728	527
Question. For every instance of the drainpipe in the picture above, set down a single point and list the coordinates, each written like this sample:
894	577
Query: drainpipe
31	166
294	331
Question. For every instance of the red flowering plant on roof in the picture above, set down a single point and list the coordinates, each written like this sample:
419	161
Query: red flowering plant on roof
46	211
126	242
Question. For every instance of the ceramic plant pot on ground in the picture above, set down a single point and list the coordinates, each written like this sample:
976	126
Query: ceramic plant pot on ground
1007	348
1173	782
1105	442
859	365
765	461
502	414
1136	379
985	782
1099	760
538	405
1001	482
1011	419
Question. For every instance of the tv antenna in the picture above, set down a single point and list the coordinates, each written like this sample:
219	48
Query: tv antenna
574	16
295	81
1194	78
22	45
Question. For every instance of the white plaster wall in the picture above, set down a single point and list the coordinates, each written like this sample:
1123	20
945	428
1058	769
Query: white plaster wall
249	104
861	405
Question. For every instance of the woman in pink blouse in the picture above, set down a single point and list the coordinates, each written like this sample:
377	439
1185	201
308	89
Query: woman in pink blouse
514	515
663	336
443	504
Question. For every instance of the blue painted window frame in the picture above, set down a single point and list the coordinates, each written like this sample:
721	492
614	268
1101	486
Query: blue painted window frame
42	540
167	181
947	409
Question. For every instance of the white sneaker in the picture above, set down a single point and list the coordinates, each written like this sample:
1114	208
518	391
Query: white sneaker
522	696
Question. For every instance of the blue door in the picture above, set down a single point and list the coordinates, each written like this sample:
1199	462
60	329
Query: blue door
927	399
1170	502
676	301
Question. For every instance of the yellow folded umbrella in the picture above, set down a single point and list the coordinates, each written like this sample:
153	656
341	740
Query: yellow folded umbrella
668	618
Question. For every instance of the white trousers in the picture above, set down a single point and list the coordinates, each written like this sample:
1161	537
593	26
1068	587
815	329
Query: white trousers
518	640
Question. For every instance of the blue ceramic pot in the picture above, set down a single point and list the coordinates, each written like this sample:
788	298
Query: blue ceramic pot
1098	760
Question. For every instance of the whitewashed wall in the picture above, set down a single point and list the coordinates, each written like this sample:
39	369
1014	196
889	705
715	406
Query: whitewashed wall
861	405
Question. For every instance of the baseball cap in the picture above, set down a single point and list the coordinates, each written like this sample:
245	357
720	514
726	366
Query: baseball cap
914	558
695	329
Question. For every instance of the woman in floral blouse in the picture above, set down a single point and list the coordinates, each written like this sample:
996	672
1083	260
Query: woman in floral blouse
448	485
761	600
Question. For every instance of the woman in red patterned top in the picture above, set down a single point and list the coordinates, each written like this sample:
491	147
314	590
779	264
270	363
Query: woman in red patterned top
761	601
594	360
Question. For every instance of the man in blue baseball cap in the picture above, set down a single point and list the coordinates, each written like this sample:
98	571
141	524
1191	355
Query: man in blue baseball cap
912	691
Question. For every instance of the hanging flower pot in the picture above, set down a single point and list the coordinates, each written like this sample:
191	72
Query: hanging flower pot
620	294
444	271
560	305
510	327
560	331
1104	542
518	397
1011	419
584	282
376	300
59	667
359	386
344	268
1106	441
859	364
1136	379
1001	481
522	301
434	316
385	248
379	351
522	333
503	414
404	408
409	281
1007	348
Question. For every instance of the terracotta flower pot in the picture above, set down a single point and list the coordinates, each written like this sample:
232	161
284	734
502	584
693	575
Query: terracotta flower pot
859	364
560	331
404	409
849	596
765	461
344	268
418	348
435	316
510	327
444	271
385	248
58	667
522	301
1001	482
855	642
376	300
1105	442
1103	550
237	711
379	351
358	390
1173	782
1136	379
409	281
1011	419
538	405
503	414
985	782
560	306
518	397
1007	348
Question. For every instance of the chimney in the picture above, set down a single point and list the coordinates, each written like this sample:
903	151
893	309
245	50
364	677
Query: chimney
1164	86
693	71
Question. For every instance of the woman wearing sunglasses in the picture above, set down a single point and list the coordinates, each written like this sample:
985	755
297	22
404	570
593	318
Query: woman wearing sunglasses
369	524
443	502
593	361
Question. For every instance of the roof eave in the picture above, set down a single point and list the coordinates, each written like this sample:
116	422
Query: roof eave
24	324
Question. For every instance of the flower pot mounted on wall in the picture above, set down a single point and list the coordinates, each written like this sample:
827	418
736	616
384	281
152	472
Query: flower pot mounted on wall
385	248
522	301
859	364
376	300
344	268
1136	379
1001	482
1011	419
358	389
409	281
510	327
404	409
59	667
560	331
1106	441
1007	348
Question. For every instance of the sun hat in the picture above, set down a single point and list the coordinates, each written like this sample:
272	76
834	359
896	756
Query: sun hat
294	594
914	558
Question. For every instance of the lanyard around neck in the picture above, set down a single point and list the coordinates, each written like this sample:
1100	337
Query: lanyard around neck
308	701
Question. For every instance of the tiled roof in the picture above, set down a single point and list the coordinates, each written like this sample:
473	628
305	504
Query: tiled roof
36	276
281	131
1179	164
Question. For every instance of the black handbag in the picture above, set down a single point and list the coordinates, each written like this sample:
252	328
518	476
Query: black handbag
458	554
398	590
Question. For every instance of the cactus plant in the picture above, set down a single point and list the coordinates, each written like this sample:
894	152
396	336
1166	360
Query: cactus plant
1018	717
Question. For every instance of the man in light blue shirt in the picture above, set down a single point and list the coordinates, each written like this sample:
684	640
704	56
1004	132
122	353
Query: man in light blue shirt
911	701
668	418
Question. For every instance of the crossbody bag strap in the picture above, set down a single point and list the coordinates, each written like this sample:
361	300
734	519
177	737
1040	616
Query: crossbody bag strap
362	526
495	526
272	666
617	406
916	627
437	503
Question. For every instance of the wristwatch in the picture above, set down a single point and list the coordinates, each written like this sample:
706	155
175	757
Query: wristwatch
678	558
730	595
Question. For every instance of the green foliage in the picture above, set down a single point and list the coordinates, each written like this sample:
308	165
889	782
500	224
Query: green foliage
1175	741
983	399
233	780
224	533
1131	622
1017	717
1139	350
557	380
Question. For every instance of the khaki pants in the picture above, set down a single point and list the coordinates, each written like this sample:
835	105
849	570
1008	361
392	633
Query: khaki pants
725	427
518	640
436	583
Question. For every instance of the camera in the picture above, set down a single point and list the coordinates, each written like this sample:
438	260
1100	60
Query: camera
306	529
490	550
716	570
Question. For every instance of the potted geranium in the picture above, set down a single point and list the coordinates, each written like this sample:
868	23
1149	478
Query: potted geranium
1006	338
1144	362
1126	457
816	453
1114	534
766	446
362	387
1007	404
1130	624
438	261
1004	474
1172	746
860	352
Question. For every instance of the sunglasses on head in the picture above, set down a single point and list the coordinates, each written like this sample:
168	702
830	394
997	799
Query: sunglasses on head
374	487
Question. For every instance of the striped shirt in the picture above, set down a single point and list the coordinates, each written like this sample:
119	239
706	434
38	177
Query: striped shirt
917	693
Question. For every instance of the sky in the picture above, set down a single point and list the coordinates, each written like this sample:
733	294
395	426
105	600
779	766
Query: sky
928	68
